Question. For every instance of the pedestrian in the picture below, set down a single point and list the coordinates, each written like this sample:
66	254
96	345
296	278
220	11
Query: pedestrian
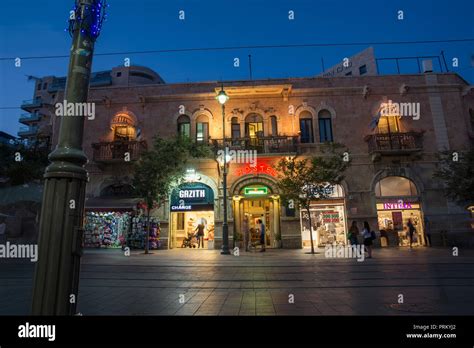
368	238
261	229
200	234
353	234
411	231
246	232
3	231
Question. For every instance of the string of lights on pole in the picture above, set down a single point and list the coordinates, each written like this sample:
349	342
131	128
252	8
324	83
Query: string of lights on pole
90	23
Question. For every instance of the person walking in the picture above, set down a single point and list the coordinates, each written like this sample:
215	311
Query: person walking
261	229
411	231
368	237
246	232
353	234
200	234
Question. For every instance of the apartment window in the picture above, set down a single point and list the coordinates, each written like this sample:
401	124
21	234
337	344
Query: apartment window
184	126
39	86
306	127
235	128
388	125
119	74
45	85
202	129
274	125
325	126
363	69
349	73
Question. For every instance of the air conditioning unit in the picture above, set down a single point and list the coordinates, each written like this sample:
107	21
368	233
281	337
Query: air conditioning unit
427	66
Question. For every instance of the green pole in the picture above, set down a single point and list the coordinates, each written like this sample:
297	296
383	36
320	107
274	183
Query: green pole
56	279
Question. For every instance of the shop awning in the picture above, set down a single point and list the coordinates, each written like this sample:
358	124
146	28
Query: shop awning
111	204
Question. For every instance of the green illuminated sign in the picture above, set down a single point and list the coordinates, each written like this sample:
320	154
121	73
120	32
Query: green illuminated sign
255	191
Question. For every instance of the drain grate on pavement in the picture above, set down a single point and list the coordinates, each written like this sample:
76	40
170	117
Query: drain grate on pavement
413	307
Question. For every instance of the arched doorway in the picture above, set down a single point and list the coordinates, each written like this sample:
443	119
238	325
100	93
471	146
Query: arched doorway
256	199
398	201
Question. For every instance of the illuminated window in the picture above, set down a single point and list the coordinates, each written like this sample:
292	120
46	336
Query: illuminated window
254	126
394	186
184	126
202	129
388	124
325	126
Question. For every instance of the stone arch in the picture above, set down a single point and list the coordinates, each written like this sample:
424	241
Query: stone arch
250	179
303	108
402	172
177	114
324	106
198	112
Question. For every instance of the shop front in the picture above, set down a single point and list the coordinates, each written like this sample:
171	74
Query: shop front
191	205
328	218
398	203
254	203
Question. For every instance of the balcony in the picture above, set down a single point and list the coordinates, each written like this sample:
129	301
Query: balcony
27	118
28	131
395	144
31	104
263	145
114	152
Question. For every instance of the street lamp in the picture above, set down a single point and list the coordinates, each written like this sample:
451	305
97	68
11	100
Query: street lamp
222	98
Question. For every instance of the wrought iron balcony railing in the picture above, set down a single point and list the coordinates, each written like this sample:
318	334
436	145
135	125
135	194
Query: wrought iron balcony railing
116	151
395	143
269	144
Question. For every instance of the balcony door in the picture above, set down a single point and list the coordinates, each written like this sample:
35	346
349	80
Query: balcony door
254	130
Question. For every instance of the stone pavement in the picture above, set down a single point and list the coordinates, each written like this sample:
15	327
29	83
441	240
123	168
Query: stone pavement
278	282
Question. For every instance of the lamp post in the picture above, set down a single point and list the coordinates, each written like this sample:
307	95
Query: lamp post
56	279
222	98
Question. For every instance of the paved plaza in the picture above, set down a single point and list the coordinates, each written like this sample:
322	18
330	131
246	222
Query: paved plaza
278	282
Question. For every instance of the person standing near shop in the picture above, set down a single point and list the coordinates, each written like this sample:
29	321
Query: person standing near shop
353	234
200	234
411	231
368	237
261	229
246	232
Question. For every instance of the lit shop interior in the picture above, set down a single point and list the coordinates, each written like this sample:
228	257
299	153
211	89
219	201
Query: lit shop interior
191	204
256	202
328	220
397	202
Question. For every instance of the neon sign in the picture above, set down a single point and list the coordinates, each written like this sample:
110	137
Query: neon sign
258	169
251	191
399	205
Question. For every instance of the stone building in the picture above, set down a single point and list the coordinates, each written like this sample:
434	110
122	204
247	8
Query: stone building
390	179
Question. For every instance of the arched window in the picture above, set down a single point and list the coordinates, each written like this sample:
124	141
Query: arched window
395	186
202	129
235	128
123	126
274	126
184	126
325	126
306	127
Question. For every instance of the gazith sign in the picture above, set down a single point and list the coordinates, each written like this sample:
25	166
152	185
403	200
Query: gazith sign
192	197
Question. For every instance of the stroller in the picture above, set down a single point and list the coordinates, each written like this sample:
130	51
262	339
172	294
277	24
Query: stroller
190	241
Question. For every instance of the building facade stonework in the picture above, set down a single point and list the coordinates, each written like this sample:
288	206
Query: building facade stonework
391	174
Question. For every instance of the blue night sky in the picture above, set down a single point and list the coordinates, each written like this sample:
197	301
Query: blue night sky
36	28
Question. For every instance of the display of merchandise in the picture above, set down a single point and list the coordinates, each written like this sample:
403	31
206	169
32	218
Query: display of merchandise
137	236
106	229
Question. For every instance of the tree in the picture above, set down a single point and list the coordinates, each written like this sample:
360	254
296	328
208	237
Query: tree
456	170
159	168
309	179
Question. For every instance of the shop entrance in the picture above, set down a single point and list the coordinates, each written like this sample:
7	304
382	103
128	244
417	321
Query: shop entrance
257	203
191	209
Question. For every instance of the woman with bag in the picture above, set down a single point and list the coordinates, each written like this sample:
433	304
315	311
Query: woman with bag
368	238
